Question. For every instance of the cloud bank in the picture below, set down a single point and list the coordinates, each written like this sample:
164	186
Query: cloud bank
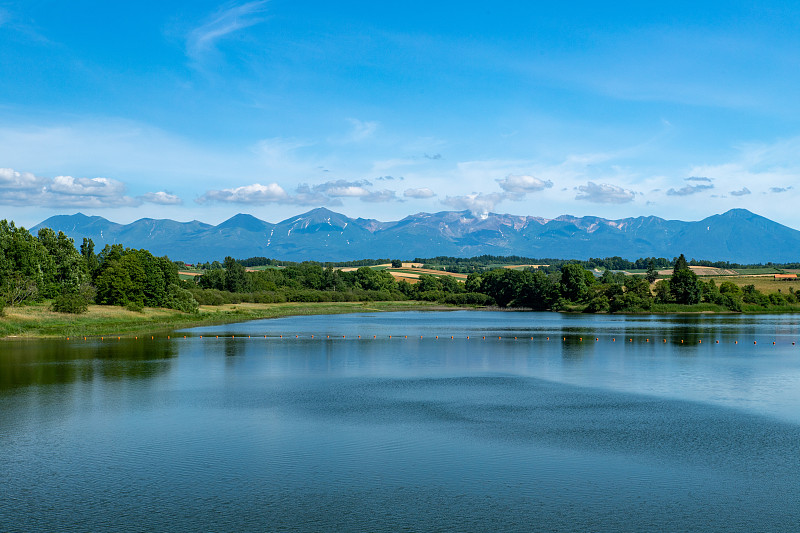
328	193
26	189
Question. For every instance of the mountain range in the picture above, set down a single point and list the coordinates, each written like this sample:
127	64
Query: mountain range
323	235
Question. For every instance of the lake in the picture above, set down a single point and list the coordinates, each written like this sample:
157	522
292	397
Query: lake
519	422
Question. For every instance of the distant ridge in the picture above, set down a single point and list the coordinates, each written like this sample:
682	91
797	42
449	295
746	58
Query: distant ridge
324	235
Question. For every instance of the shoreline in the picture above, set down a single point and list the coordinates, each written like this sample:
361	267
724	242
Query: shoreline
38	322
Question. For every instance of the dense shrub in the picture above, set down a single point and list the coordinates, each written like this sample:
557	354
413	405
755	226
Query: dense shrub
181	299
74	300
468	298
598	304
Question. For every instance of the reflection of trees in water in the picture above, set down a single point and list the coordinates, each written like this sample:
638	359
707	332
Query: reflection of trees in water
232	347
59	362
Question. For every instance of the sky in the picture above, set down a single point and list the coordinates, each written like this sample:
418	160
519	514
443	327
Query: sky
200	110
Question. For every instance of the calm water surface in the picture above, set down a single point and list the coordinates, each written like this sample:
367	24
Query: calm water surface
605	426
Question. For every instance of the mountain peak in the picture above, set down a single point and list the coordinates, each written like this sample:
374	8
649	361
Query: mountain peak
246	222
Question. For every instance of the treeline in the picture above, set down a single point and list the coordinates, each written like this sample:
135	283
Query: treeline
575	288
483	263
49	267
487	262
570	287
312	282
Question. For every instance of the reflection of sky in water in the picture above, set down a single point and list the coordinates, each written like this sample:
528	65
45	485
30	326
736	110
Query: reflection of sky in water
349	434
762	378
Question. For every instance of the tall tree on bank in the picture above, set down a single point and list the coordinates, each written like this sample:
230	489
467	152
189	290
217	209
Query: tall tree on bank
683	285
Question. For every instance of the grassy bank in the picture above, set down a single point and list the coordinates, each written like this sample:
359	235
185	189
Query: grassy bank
36	321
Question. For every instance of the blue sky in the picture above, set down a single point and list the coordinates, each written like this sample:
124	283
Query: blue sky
201	109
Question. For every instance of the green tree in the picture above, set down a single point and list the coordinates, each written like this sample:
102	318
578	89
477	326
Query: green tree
502	284
652	274
680	264
87	251
235	275
573	282
638	286
374	280
684	287
537	291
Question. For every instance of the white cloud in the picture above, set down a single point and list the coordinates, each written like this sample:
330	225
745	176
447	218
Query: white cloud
224	22
362	129
422	192
327	193
477	203
604	193
381	196
247	194
744	191
523	184
343	188
100	187
10	179
688	190
162	198
27	189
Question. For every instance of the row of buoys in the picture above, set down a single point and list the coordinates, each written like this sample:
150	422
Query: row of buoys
580	339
